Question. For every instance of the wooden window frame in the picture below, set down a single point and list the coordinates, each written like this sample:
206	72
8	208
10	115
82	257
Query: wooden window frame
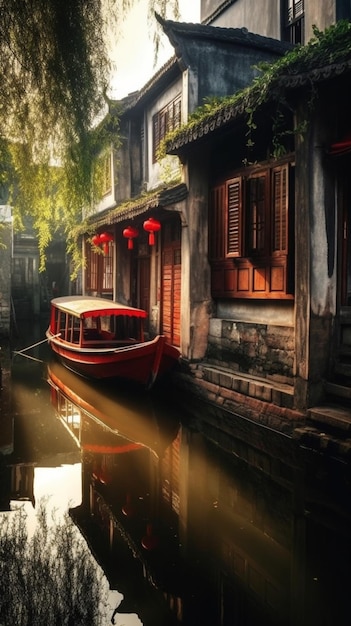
99	270
164	121
92	271
249	247
107	270
294	21
234	217
257	211
280	210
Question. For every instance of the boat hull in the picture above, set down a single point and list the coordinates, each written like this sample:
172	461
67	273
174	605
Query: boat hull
102	339
141	363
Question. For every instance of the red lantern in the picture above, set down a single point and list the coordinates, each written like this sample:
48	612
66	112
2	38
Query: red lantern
128	508
130	233
96	240
151	226
105	239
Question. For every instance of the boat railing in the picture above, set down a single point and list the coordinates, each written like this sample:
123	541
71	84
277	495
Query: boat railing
108	343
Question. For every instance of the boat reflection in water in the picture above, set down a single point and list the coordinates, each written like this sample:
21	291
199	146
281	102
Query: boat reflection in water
189	534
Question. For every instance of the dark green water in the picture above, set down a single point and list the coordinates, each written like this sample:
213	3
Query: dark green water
186	532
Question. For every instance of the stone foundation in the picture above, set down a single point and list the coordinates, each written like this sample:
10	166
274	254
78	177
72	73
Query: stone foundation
266	403
257	349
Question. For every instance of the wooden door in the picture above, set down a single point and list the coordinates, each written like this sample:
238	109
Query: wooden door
171	282
342	348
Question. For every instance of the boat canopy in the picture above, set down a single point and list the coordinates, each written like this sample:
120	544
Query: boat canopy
89	306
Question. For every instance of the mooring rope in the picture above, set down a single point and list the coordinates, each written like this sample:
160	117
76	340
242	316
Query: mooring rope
34	345
32	358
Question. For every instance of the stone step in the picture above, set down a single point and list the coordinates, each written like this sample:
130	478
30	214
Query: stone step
343	369
344	350
334	416
264	389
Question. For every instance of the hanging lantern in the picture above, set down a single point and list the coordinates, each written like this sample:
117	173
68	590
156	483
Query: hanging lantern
96	240
151	226
105	239
130	233
128	508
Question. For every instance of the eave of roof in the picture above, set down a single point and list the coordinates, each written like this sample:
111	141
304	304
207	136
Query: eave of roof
138	206
169	72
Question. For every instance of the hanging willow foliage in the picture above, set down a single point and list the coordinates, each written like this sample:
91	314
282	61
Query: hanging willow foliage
54	72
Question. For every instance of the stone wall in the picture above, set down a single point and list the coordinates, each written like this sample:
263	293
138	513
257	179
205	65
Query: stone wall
263	350
5	270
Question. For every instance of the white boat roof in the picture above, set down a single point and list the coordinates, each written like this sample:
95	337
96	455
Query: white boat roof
90	306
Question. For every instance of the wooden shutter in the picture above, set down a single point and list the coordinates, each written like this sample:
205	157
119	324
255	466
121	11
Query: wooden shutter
217	223
177	108
280	196
171	292
92	269
155	136
256	211
234	218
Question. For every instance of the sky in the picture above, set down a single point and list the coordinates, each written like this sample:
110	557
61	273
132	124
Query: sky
134	51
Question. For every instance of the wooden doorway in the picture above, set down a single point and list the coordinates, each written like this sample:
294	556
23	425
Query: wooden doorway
171	281
144	283
346	247
342	366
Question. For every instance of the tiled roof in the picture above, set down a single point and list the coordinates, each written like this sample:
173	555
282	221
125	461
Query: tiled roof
158	81
240	36
185	30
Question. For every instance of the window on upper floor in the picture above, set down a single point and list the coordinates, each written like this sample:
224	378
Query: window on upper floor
343	10
294	21
249	234
165	120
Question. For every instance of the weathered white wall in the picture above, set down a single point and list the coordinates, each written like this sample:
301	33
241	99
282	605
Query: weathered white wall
264	16
169	168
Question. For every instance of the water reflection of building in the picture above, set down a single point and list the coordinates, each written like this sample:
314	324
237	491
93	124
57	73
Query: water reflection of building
16	471
29	438
256	532
130	486
16	483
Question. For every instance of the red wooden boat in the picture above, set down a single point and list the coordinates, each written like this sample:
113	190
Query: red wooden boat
99	339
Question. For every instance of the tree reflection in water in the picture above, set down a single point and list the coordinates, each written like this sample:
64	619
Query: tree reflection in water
50	577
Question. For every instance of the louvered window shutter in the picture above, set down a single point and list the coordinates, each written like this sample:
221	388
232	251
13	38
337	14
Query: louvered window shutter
155	136
217	223
234	218
280	196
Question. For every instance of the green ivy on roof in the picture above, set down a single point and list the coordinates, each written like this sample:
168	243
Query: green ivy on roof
327	54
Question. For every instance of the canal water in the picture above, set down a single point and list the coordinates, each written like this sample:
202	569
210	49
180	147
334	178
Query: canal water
177	528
